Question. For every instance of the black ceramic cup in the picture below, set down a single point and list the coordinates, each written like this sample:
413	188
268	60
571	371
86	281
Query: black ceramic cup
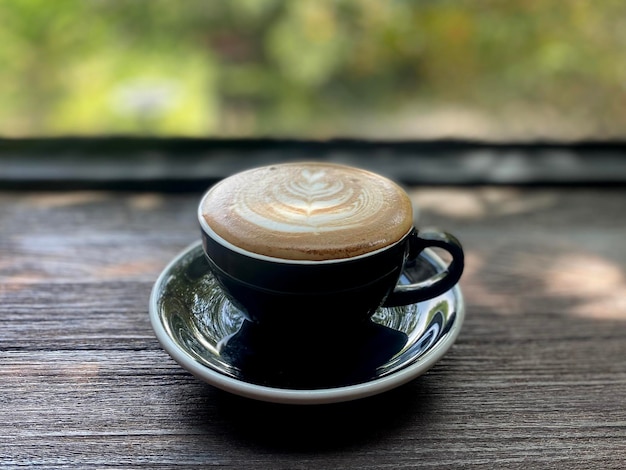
301	295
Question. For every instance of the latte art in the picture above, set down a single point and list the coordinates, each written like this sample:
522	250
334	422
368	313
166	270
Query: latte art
311	203
308	211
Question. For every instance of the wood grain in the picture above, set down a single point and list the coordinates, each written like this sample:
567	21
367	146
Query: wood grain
537	378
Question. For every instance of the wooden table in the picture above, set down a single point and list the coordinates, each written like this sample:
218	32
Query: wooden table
537	378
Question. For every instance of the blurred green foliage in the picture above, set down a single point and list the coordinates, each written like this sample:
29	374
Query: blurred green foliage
313	68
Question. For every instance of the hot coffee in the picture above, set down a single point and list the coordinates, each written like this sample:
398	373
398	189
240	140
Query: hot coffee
308	211
290	244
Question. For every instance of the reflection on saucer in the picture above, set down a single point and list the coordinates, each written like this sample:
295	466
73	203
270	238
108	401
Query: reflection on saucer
288	362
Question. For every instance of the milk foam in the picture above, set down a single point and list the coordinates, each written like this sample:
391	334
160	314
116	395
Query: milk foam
308	211
313	202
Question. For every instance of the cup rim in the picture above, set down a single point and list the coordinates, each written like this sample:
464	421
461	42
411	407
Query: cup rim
208	231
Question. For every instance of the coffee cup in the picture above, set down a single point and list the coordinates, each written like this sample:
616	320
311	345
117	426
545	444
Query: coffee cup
299	246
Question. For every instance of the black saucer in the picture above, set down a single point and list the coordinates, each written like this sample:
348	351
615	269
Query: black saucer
208	336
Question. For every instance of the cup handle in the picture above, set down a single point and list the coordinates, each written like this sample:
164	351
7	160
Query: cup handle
438	283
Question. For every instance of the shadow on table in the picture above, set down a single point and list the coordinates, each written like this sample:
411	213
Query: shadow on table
325	427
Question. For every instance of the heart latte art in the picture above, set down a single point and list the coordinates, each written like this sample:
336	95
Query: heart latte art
312	202
311	211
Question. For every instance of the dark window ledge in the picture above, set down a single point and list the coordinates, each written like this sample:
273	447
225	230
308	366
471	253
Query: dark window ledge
180	164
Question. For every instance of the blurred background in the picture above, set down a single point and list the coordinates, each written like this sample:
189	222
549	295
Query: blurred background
486	69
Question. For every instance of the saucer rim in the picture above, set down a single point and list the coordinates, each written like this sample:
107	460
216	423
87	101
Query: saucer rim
299	396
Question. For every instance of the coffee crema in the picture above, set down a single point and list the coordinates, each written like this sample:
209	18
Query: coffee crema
308	211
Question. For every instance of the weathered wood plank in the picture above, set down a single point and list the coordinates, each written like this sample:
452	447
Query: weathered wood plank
537	378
